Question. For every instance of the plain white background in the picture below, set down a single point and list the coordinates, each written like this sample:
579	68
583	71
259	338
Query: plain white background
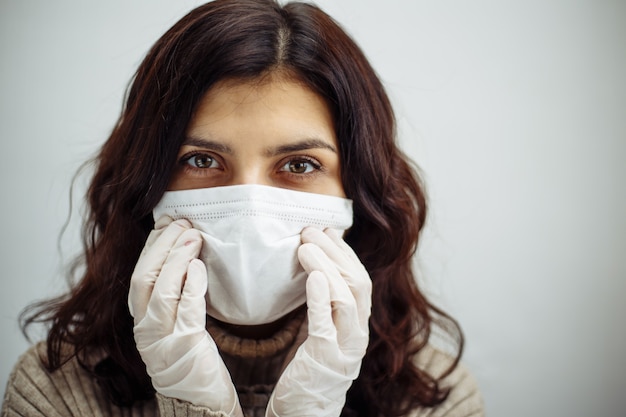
515	110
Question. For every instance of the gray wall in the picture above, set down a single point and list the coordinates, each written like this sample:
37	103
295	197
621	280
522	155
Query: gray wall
515	110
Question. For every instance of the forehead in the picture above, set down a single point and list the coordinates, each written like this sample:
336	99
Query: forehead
271	102
279	87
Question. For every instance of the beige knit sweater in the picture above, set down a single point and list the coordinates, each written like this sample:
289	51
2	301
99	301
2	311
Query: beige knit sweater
254	366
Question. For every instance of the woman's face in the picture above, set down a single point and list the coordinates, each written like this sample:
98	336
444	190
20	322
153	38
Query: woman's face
275	132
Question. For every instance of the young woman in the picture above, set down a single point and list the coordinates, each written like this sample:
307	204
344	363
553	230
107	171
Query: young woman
249	244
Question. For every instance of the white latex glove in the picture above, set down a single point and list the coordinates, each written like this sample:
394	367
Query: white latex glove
166	299
338	292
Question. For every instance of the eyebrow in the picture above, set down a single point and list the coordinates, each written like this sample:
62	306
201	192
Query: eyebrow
303	145
208	144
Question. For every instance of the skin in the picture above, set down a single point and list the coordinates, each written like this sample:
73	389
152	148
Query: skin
274	131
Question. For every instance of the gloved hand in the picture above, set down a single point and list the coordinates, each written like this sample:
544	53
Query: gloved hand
166	299
338	292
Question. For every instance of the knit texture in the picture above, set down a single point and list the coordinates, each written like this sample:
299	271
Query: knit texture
71	390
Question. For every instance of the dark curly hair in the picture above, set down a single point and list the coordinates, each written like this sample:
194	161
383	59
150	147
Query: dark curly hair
246	39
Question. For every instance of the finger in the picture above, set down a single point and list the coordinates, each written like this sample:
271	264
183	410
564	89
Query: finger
158	246
335	248
162	222
159	227
191	315
167	290
348	265
358	278
319	310
344	305
336	237
312	259
330	247
149	266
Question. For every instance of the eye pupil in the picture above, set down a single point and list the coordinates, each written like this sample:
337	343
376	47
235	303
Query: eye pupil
202	161
298	167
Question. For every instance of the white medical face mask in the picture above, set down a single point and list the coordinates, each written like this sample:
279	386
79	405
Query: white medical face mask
251	235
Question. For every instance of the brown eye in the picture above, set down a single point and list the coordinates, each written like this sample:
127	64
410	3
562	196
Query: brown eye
300	166
201	161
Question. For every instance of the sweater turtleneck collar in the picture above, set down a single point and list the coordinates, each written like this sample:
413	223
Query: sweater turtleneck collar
248	348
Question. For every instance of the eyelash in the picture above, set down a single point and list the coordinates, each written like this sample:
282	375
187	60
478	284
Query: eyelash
317	166
184	162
